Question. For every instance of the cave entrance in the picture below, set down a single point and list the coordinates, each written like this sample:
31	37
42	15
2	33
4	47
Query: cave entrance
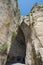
18	48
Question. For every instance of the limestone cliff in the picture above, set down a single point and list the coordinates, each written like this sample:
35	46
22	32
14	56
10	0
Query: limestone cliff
21	37
34	52
8	25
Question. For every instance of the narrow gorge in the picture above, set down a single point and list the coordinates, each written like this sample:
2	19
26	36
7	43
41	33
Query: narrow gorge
21	37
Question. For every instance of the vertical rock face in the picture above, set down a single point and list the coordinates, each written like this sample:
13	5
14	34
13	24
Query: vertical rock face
7	19
36	37
29	38
7	26
26	28
32	27
16	10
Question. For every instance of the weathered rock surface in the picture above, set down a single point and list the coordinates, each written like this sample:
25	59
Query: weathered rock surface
8	25
25	41
34	52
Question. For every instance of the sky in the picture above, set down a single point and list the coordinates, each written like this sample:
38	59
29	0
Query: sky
26	5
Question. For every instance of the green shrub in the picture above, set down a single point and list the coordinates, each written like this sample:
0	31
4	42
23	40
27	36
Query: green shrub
14	34
3	48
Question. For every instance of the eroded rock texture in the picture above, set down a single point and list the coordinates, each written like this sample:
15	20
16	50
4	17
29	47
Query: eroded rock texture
35	50
32	27
8	26
21	43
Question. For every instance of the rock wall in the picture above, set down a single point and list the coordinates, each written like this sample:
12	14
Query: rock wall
36	37
8	25
32	27
24	40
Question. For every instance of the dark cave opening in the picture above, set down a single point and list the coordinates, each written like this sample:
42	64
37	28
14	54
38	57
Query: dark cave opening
18	49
